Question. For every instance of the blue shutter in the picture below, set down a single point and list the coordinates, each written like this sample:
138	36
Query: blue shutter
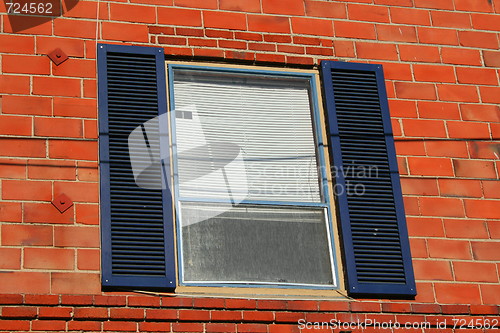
374	235
136	223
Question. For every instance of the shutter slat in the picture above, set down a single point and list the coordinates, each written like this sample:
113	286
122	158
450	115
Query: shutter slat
373	222
137	222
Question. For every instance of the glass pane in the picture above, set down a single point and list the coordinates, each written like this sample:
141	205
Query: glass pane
244	137
248	243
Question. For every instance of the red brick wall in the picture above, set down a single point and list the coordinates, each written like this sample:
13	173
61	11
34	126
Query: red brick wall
441	62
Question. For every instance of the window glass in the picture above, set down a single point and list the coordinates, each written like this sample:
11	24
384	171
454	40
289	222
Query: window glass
250	208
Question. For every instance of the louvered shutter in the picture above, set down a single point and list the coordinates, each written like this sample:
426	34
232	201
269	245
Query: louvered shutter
136	221
371	212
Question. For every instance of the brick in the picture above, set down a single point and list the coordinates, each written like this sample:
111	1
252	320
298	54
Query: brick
12	84
485	22
272	24
419	53
220	327
325	9
271	305
457	93
424	166
474	169
24	282
110	300
424	308
75	283
424	128
485	250
88	259
484	309
320	51
135	314
131	13
258	316
396	307
359	30
76	300
179	302
310	26
258	37
78	191
450	293
125	32
14	325
461	129
253	328
428	35
25	64
76	68
189	32
15	125
17	44
10	258
27	235
300	60
403	108
80	150
365	307
32	25
26	190
473	6
303	305
371	13
52	86
224	20
491	293
491	189
434	73
450	19
72	236
187	327
209	4
161	315
411	16
68	28
446	149
72	47
232	44
479	39
19	312
491	58
418	248
87	171
490	94
411	90
26	105
455	309
433	270
50	169
246	6
479	112
449	249
88	9
471	229
475	271
240	303
120	326
154	327
48	325
460	56
425	227
211	303
13	168
283	7
367	50
142	301
289	317
85	326
291	49
11	299
437	4
482	150
477	76
55	312
11	211
202	42
46	213
172	40
460	187
397	71
400	33
441	207
42	299
494	229
49	258
58	127
418	186
268	57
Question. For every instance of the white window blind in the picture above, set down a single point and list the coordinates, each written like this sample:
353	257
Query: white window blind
248	135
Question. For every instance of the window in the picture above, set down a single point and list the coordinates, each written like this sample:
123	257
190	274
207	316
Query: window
249	196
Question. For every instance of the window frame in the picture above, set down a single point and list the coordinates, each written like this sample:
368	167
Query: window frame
322	158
